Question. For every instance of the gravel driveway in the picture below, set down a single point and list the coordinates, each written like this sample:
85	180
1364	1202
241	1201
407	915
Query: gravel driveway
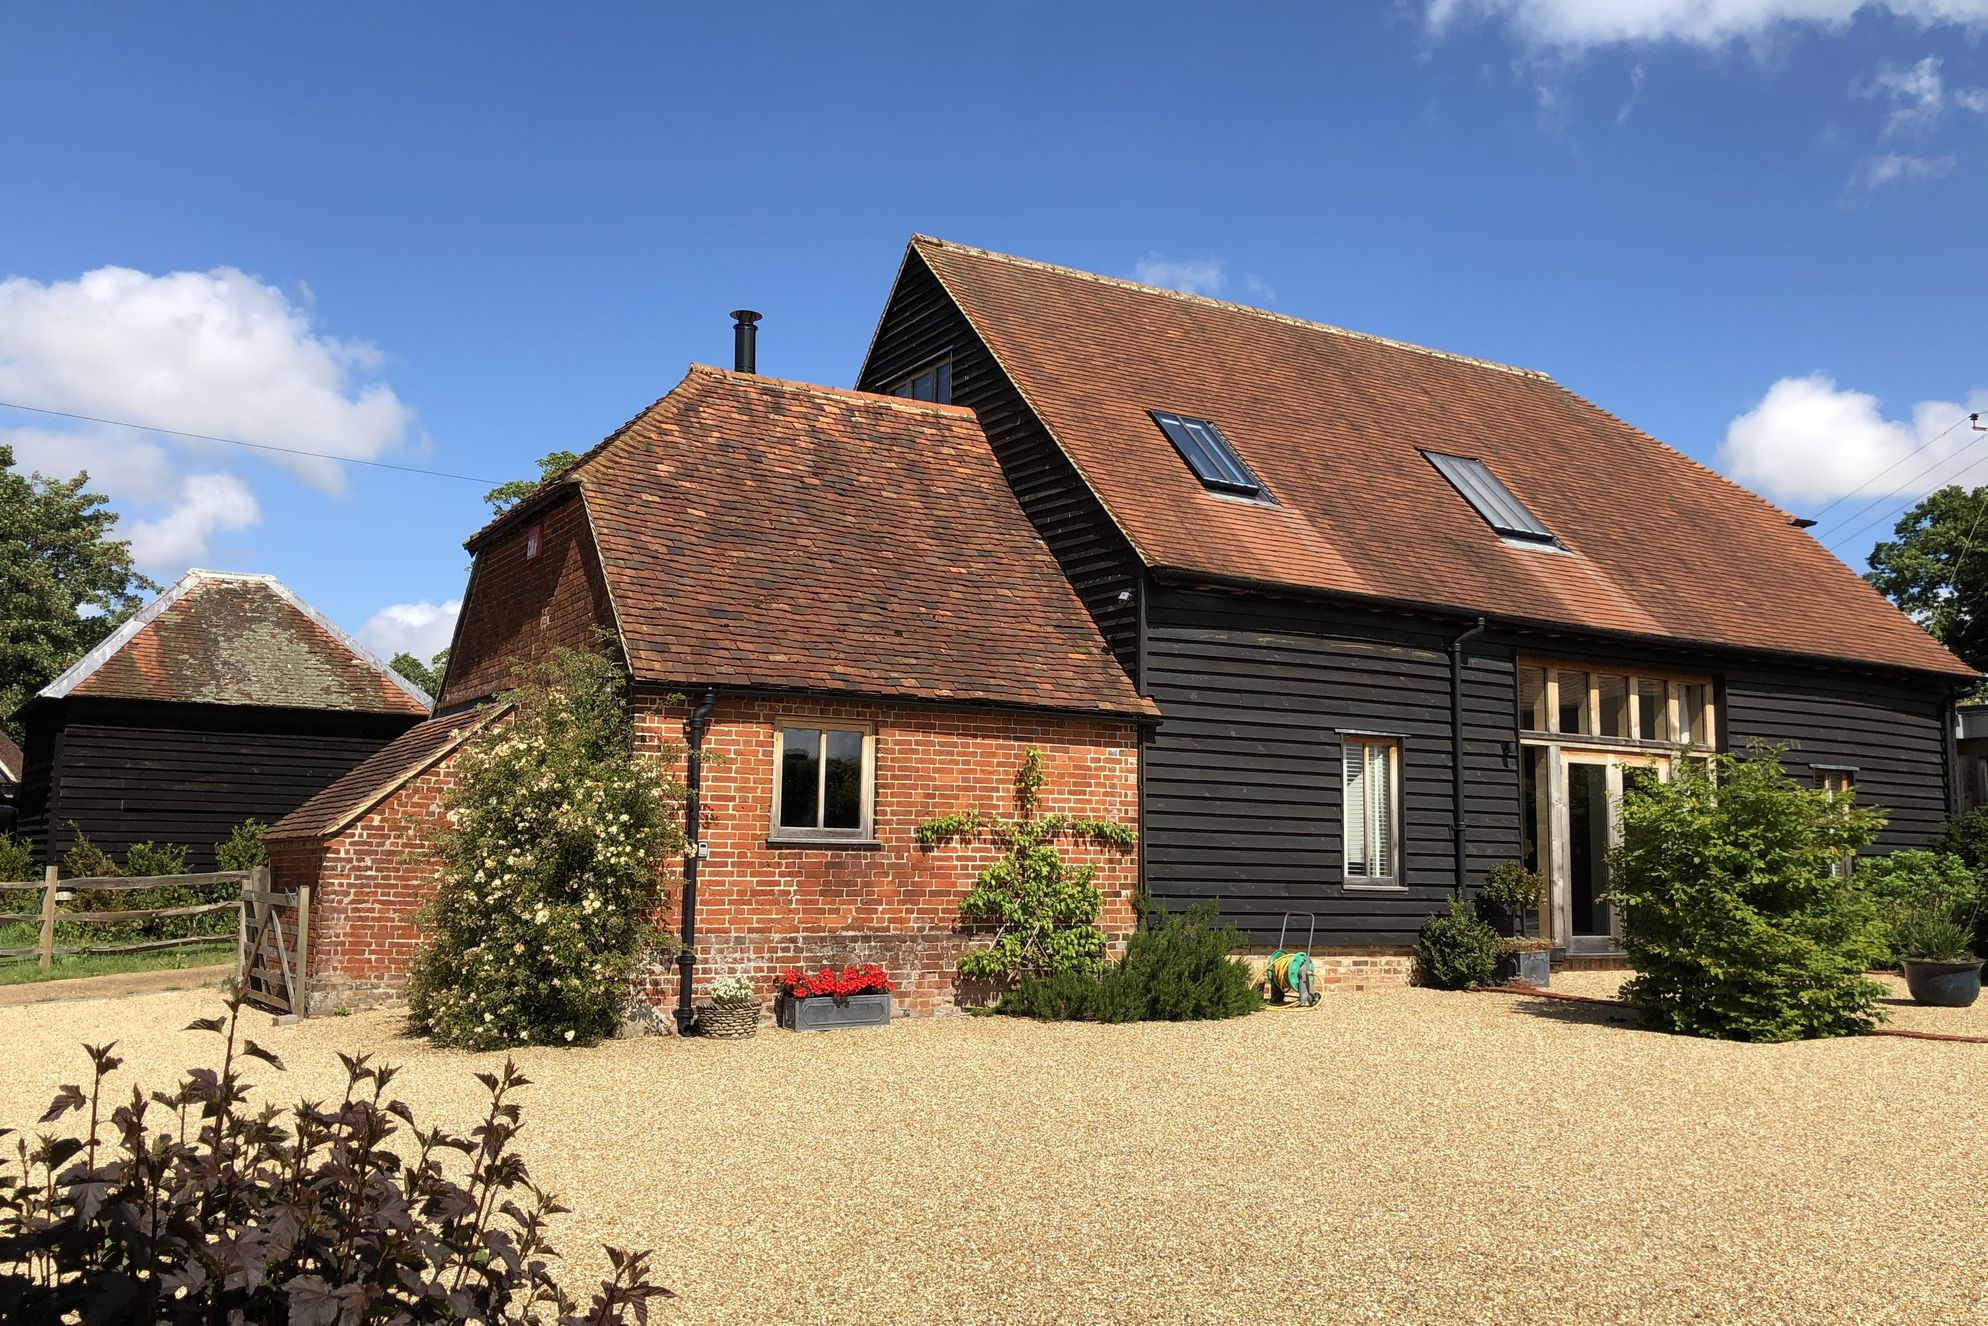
1399	1157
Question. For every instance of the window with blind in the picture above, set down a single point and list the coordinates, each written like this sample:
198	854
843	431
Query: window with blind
1371	810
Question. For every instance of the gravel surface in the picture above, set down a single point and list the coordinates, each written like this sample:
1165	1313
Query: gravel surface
1398	1157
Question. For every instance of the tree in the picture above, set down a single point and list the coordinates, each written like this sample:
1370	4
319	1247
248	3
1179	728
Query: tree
65	583
428	676
1932	571
507	495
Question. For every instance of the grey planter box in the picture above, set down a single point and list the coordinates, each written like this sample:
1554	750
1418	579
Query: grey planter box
1527	968
821	1013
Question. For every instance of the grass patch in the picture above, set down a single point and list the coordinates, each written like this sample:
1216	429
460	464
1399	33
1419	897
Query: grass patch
21	971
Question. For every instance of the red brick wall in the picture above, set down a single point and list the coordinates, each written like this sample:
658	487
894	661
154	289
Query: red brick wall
368	882
763	909
517	610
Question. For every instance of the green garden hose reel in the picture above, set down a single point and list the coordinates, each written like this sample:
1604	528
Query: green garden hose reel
1291	971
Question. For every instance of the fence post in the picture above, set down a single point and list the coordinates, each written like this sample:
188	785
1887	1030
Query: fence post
48	917
302	1007
241	933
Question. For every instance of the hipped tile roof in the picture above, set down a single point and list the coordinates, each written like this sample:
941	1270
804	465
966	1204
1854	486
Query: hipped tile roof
777	535
381	774
218	637
1334	422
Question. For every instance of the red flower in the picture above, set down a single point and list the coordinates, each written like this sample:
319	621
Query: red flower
835	984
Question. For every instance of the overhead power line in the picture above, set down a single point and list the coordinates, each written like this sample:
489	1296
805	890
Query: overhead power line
258	446
1894	465
1837	541
1886	498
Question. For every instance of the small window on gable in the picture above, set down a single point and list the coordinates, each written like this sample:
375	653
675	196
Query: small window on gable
1208	454
934	382
1501	510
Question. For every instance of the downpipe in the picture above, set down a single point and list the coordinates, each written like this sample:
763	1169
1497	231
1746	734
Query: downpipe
1460	834
686	958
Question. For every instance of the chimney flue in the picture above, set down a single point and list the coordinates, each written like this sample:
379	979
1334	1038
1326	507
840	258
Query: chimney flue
745	340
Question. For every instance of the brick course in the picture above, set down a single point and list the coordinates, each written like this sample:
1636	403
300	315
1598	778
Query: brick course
763	908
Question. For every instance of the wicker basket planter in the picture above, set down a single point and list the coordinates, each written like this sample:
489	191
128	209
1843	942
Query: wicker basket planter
727	1023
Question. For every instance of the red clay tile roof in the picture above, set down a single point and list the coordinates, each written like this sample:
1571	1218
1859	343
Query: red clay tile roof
218	637
10	760
1332	421
382	773
776	535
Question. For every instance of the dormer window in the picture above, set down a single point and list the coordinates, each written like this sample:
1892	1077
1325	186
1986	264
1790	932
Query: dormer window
934	382
1208	454
1501	510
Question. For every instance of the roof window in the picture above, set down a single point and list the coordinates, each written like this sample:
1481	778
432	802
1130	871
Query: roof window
1501	510
1208	454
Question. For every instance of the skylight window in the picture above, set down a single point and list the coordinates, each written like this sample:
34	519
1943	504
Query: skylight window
1501	510
1208	454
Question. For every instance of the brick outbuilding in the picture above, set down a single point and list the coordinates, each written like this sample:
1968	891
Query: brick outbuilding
882	636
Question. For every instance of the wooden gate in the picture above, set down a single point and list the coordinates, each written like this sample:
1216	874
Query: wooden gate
275	945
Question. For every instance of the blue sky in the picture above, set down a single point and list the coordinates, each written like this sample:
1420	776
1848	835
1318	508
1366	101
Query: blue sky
456	237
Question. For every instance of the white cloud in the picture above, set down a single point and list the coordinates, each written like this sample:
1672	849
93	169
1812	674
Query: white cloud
204	505
1712	23
1192	276
200	352
216	352
422	629
1810	441
1891	168
1919	97
1636	77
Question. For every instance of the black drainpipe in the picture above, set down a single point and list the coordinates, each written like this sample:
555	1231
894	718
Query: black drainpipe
745	340
1460	833
686	958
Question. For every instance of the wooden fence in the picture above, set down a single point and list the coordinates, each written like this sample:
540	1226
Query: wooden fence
50	914
274	947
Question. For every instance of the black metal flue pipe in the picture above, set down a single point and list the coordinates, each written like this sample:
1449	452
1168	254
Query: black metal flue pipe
745	340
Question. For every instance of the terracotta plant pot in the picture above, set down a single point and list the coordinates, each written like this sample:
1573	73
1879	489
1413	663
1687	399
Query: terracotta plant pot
1943	984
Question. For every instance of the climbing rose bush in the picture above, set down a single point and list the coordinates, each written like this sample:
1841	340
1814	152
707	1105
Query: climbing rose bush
551	867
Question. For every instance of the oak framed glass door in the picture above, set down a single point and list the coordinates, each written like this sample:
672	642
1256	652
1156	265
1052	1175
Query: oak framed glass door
1584	811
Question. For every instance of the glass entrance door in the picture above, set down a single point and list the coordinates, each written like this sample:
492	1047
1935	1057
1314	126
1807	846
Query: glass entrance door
1586	799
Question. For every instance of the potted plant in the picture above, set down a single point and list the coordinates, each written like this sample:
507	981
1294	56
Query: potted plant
733	1011
856	996
1939	968
1511	894
1526	961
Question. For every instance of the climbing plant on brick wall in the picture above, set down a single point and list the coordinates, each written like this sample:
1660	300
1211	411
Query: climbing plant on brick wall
1038	912
551	866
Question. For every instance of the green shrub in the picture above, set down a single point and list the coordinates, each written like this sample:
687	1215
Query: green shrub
17	863
1511	894
1039	913
85	860
1180	968
244	849
1907	883
551	871
1456	950
1966	836
147	859
1732	920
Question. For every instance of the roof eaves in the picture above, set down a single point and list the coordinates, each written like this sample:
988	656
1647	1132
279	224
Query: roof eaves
401	779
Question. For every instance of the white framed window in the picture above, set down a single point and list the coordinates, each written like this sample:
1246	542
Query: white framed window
824	781
1371	811
1837	785
934	382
